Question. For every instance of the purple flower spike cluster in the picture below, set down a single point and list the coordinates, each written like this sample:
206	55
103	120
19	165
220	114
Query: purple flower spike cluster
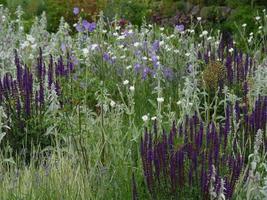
22	90
238	66
184	158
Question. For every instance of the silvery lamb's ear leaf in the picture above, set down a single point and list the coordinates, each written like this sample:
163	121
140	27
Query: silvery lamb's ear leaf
257	55
220	118
50	130
9	160
152	103
2	135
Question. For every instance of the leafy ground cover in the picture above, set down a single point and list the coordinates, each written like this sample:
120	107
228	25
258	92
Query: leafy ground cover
117	111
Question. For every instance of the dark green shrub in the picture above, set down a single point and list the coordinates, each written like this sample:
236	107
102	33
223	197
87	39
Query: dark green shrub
133	11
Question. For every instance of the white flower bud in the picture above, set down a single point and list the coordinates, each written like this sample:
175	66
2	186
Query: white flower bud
179	103
126	82
132	88
112	103
145	118
153	118
160	99
231	50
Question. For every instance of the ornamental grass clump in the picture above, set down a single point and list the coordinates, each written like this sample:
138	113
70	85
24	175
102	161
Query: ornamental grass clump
214	75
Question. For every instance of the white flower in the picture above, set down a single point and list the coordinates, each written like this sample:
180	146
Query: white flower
251	33
260	27
161	28
176	51
121	37
179	103
244	25
209	38
104	31
136	44
153	118
144	58
130	31
115	34
204	33
94	46
192	31
129	67
198	18
161	43
257	18
30	38
187	54
85	51
160	99
126	82
132	88
112	103
190	104
121	46
25	44
122	57
231	50
144	118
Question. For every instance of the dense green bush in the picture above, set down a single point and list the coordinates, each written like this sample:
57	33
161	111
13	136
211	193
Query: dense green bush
136	11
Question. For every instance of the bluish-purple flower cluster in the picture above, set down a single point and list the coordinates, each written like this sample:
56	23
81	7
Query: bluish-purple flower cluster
86	26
